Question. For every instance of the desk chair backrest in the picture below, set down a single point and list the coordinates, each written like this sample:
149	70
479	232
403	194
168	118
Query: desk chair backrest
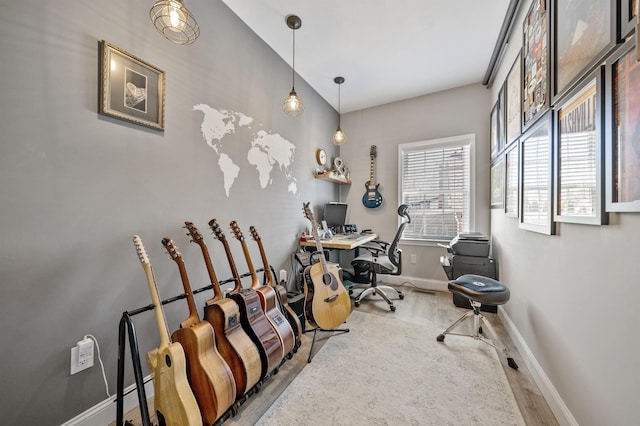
394	252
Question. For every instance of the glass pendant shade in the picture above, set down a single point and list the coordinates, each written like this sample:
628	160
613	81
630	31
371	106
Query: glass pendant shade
174	21
339	137
293	105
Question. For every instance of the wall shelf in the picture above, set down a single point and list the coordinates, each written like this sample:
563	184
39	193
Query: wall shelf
335	179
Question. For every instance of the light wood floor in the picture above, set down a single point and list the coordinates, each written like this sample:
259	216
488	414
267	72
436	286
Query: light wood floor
433	306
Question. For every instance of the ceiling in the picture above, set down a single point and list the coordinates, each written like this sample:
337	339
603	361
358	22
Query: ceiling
387	50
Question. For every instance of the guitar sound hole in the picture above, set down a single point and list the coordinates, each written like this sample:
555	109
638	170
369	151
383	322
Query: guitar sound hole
326	279
167	360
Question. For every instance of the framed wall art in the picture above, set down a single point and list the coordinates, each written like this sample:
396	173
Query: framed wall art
130	88
535	60
511	182
497	125
583	32
579	154
622	154
536	178
628	18
513	102
497	184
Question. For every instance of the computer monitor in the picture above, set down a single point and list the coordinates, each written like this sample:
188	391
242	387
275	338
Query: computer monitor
335	214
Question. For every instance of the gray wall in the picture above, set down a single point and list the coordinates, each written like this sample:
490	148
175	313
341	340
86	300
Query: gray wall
449	113
77	185
574	304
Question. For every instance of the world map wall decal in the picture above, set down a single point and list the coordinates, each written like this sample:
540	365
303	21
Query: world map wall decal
266	151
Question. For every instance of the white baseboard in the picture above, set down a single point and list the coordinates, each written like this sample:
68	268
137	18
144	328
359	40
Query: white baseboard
421	283
551	395
104	413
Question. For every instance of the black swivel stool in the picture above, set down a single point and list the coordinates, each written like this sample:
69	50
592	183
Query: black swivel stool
480	291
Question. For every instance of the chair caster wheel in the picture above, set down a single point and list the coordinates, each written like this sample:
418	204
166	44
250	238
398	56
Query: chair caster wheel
350	292
440	338
357	304
393	308
401	296
512	363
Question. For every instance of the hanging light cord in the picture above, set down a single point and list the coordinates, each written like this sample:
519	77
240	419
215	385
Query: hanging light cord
293	62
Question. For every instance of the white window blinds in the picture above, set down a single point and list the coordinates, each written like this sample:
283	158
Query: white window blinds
436	184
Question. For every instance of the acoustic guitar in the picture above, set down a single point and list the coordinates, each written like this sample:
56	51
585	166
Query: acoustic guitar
287	310
234	344
372	197
173	399
210	377
327	303
253	319
268	299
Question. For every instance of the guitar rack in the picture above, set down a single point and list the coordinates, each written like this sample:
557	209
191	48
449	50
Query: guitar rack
127	326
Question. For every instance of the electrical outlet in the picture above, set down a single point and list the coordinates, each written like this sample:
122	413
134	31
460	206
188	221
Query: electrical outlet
283	275
414	259
82	356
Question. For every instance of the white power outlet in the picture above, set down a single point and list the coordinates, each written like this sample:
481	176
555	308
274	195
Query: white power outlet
82	356
283	275
414	258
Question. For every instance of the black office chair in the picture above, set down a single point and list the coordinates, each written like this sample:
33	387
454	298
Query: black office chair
381	257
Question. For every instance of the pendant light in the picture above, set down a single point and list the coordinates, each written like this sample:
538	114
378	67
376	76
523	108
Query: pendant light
293	105
174	21
339	138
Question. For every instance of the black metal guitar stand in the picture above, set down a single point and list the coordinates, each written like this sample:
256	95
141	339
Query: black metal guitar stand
315	334
126	326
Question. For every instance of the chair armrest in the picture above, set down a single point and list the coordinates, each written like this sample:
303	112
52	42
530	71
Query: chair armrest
373	249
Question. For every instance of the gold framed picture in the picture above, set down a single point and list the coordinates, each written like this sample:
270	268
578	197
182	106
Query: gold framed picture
130	88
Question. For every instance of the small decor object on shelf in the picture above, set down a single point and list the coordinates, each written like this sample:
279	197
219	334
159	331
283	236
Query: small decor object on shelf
321	157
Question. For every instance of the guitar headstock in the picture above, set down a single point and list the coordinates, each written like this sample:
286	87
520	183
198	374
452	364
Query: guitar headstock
254	233
171	248
237	232
142	253
215	227
194	232
307	211
373	151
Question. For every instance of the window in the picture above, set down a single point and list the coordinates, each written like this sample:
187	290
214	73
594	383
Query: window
435	181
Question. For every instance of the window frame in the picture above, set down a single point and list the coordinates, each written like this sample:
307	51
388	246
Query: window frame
465	139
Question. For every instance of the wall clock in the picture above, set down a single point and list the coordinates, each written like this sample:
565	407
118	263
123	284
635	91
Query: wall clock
321	157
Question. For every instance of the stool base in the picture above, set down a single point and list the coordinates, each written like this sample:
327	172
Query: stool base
479	321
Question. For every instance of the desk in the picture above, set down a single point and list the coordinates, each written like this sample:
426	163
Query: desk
342	241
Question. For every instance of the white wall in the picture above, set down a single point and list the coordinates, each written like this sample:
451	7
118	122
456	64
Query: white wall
77	185
573	301
459	111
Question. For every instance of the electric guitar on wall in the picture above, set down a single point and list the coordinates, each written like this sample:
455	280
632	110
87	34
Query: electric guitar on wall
268	299
210	377
327	303
372	197
174	401
293	319
234	344
253	319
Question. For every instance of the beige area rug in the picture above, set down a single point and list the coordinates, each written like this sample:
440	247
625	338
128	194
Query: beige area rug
391	372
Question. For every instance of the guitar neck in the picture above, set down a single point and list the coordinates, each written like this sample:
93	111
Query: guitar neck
176	257
217	292
319	249
265	263
163	329
232	265
372	182
255	283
